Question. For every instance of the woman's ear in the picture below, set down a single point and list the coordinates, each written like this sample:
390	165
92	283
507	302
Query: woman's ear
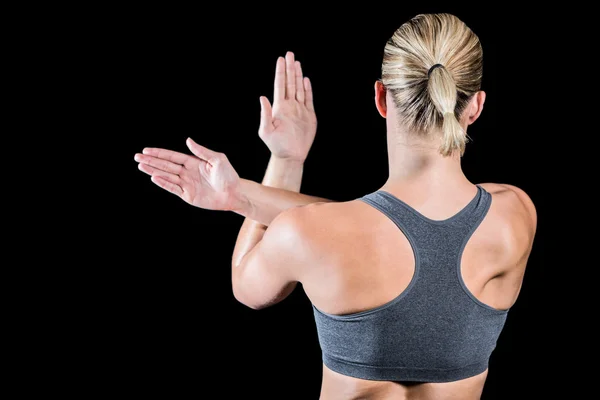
380	99
475	107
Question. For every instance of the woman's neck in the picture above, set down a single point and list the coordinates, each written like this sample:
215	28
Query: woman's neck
416	159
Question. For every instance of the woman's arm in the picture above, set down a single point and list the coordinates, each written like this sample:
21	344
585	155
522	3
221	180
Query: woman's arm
262	203
280	190
209	181
288	129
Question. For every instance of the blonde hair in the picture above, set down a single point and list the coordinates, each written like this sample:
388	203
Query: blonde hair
427	98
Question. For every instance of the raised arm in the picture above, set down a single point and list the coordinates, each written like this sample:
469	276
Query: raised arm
288	129
209	181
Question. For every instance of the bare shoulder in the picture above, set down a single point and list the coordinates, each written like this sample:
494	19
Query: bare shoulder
316	229
317	219
513	201
511	222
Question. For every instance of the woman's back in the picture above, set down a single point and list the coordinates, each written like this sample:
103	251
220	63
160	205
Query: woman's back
357	259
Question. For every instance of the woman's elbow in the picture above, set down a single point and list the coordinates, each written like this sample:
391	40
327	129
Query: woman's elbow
240	295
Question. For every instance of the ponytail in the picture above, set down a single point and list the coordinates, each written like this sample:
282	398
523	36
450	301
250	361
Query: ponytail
442	91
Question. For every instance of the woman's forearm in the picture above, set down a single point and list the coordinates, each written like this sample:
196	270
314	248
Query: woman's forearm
278	192
284	174
263	202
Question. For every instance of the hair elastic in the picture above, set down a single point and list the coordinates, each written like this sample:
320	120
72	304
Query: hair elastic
432	68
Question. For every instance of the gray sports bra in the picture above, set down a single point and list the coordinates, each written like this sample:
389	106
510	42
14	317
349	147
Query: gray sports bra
435	330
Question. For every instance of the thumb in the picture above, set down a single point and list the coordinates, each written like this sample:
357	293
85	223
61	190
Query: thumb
200	151
266	115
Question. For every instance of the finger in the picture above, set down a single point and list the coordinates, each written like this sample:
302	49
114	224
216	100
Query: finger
157	172
290	76
266	115
168	186
308	94
299	85
163	165
201	151
279	93
173	156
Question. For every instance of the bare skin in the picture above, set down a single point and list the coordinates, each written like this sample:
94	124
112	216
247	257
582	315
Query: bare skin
338	387
348	256
339	239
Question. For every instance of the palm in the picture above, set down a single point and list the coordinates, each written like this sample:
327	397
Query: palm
207	181
294	129
210	186
289	127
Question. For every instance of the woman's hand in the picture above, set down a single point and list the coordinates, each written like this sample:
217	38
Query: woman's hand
289	127
206	181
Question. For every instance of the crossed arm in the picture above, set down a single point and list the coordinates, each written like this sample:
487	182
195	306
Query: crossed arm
260	277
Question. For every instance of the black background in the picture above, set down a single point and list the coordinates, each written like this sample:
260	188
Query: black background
166	319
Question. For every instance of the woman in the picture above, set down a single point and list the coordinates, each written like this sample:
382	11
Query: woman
411	284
